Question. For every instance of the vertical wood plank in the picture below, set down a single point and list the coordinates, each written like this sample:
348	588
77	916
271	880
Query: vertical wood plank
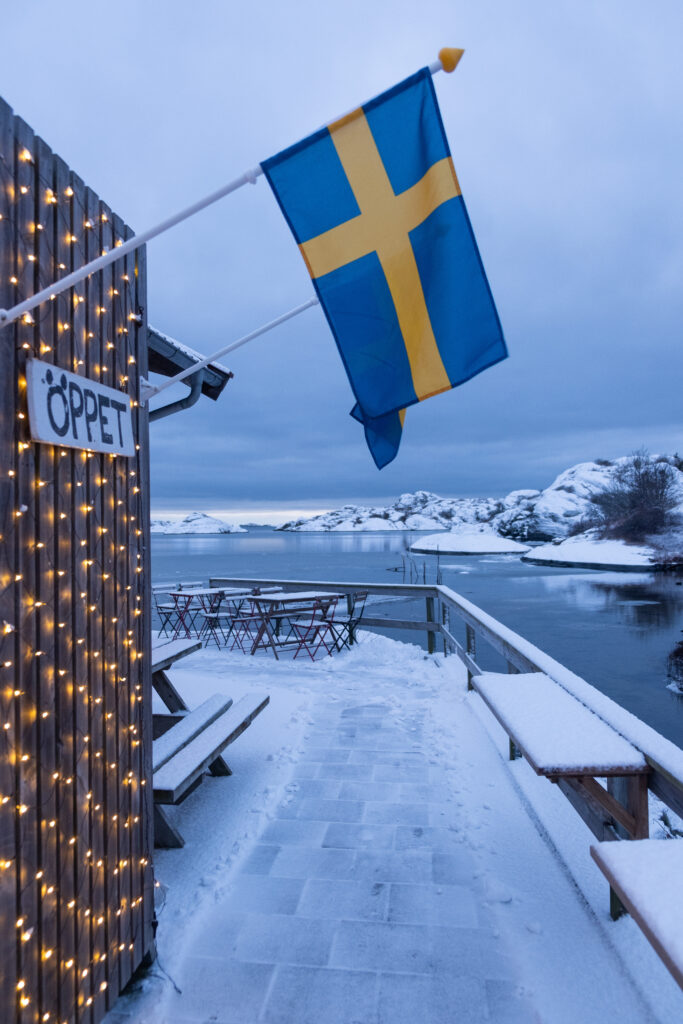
29	604
65	664
96	302
44	496
83	754
125	578
107	519
8	639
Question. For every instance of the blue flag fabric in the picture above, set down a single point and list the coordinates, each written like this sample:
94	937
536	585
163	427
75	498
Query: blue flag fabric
374	204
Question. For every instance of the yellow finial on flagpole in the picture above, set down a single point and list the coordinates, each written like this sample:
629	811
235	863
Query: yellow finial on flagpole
449	57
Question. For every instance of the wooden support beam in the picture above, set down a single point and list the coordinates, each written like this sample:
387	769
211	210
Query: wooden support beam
601	824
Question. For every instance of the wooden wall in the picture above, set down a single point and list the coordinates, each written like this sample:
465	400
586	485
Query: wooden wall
76	883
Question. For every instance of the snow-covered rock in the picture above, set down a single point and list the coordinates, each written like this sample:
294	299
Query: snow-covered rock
195	522
419	511
523	515
481	542
589	552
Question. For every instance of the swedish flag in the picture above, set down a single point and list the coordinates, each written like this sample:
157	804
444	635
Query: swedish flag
374	203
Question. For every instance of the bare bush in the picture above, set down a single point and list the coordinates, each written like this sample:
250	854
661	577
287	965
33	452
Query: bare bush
639	501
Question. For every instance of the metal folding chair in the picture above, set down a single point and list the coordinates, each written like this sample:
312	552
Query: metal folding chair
344	628
318	631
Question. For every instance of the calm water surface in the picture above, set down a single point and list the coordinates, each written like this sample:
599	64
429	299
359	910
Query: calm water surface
614	629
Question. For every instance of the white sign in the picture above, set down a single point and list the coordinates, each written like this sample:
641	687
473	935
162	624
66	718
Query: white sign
69	410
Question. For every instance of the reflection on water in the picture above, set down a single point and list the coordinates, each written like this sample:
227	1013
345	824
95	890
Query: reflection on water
614	629
644	600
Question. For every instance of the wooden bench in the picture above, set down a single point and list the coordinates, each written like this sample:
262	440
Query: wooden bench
647	876
192	746
568	743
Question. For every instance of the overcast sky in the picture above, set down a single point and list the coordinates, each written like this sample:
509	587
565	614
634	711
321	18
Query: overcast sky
564	121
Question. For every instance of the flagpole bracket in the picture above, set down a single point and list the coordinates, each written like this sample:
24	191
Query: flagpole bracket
147	391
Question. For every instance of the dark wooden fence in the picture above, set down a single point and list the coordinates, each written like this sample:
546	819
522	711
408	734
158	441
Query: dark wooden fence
76	883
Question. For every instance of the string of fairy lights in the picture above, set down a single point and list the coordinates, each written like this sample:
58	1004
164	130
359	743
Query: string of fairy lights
70	655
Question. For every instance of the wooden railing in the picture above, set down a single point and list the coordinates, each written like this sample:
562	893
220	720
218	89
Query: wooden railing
443	604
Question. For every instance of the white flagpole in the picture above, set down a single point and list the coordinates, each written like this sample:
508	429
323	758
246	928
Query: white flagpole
7	316
448	60
147	392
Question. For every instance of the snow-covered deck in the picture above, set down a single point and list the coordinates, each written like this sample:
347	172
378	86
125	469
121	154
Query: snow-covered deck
375	858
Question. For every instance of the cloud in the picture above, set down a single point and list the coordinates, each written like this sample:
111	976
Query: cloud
559	119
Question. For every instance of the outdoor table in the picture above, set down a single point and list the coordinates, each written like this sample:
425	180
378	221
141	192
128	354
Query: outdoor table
234	598
189	602
270	609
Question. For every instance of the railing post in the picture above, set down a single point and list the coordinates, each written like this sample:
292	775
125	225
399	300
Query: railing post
514	751
431	638
445	621
471	649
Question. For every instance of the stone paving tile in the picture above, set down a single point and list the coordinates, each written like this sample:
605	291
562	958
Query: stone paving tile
424	792
350	900
394	758
396	814
409	999
509	1005
265	894
285	939
289	808
329	738
387	773
223	991
318	995
367	711
326	755
331	810
370	791
260	860
304	771
380	742
440	840
359	837
390	866
302	862
453	868
306	833
382	947
327	789
346	771
450	905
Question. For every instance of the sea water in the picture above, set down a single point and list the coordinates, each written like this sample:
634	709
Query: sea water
614	629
